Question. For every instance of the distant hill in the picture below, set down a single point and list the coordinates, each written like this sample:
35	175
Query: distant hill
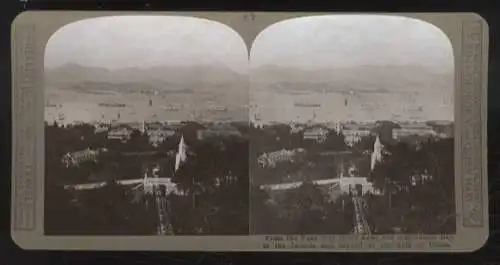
101	88
73	75
366	79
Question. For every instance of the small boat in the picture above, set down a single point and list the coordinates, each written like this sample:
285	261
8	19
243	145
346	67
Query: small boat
172	107
217	108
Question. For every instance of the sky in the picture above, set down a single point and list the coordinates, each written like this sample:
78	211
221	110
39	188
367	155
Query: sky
308	42
353	40
146	41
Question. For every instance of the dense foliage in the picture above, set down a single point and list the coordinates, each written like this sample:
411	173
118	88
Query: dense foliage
416	180
305	210
214	177
418	183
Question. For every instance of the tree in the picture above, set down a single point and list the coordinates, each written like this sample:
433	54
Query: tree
384	130
263	217
304	210
60	217
139	142
421	183
297	140
335	141
109	210
190	131
183	217
439	202
366	143
283	136
362	164
216	169
170	143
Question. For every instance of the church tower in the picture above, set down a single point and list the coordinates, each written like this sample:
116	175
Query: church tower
377	152
181	155
143	127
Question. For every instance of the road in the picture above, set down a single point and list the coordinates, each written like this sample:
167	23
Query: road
164	226
361	226
149	181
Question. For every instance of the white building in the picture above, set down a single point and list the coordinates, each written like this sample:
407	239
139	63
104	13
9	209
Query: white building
76	158
271	159
123	134
353	136
317	134
413	131
156	137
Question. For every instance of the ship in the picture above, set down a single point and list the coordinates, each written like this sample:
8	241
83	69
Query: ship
396	116
307	105
172	107
112	105
414	108
414	118
217	108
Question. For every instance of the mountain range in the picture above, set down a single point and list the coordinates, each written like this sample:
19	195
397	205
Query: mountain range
366	79
161	75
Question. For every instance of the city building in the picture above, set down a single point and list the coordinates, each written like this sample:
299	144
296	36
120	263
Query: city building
226	180
153	126
296	128
267	160
353	136
354	132
139	126
100	128
317	134
358	184
76	158
120	133
409	130
420	179
158	136
444	129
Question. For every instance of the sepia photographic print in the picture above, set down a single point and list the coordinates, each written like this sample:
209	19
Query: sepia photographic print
237	131
353	127
146	128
